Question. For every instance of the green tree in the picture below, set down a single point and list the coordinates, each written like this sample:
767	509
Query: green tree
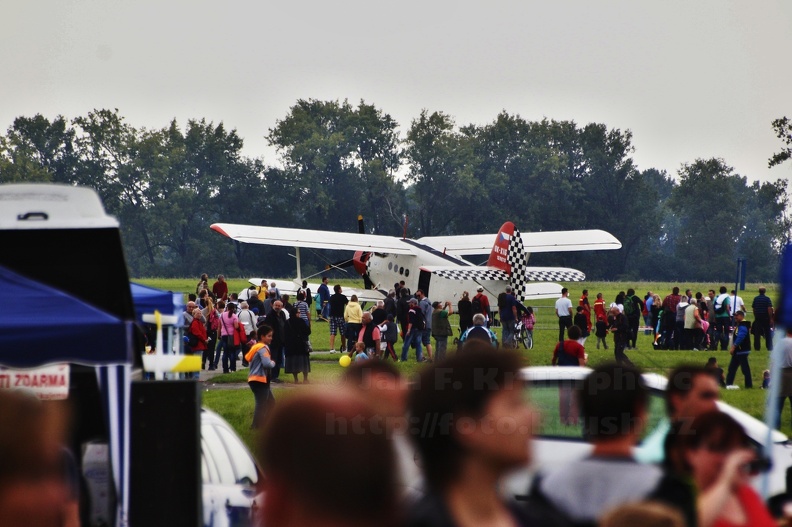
514	162
783	130
766	228
721	217
656	252
166	187
35	149
618	198
709	204
342	162
442	188
112	160
204	180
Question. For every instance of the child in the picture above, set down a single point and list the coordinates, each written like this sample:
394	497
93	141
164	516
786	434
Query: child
705	341
712	364
359	353
261	363
582	322
766	379
601	331
389	333
529	319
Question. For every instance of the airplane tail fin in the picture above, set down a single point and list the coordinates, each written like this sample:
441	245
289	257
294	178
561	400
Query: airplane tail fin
509	255
500	250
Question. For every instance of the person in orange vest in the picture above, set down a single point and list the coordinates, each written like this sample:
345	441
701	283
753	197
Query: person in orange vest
258	378
600	313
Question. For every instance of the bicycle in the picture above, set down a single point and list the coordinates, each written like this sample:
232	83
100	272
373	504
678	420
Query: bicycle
522	335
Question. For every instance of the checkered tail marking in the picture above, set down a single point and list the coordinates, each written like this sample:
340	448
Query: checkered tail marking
517	259
521	274
463	273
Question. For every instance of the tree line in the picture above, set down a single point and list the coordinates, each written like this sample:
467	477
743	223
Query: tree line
337	160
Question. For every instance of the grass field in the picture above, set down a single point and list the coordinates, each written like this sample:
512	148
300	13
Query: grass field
236	406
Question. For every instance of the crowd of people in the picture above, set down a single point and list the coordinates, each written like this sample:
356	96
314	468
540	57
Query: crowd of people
223	327
435	452
418	321
678	321
220	326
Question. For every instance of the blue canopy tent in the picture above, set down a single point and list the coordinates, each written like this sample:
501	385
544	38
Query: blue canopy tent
54	327
147	299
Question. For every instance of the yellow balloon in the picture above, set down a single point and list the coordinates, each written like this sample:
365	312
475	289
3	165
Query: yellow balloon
344	360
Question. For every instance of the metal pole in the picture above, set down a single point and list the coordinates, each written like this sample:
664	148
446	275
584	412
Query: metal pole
734	300
297	256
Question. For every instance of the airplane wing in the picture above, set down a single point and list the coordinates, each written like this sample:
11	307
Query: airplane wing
290	287
480	273
532	291
534	242
539	290
312	238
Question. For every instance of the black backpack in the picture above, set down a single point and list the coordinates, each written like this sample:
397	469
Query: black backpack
475	304
192	339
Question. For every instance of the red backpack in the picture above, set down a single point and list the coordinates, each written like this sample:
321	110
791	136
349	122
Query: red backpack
214	321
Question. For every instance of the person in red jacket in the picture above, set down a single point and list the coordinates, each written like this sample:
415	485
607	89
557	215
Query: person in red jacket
220	288
481	305
198	330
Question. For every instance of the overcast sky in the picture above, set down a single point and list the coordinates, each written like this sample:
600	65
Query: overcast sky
689	79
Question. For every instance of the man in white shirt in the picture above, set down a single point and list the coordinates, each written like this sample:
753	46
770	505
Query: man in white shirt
247	318
736	303
563	307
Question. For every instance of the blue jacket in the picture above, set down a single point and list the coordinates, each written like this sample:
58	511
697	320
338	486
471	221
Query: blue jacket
742	342
324	293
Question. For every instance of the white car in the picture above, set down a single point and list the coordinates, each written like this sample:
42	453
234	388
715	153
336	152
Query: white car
557	444
230	474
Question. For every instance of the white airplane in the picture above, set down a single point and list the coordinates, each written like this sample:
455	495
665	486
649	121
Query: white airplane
435	264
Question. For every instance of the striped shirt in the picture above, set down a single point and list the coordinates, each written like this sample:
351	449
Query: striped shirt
760	306
302	309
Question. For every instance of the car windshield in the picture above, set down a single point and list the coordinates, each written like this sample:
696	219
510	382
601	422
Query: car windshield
550	396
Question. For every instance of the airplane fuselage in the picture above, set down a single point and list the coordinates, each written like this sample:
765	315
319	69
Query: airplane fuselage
387	269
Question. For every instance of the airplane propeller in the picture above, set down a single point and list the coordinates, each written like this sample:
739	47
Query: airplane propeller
358	261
